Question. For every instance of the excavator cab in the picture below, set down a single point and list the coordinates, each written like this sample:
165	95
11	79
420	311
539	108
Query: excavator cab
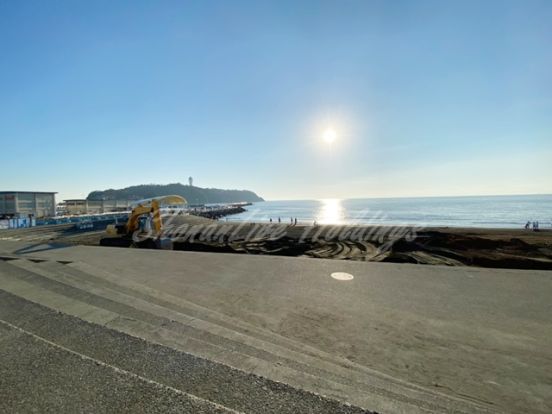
144	227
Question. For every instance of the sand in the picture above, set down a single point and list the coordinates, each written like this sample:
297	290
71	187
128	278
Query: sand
499	248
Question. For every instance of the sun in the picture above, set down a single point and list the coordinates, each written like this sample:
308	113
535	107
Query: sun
330	135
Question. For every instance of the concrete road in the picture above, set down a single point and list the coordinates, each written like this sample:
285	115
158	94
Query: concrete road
37	376
479	334
51	362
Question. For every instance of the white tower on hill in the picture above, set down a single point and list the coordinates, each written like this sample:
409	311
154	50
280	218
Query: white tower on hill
190	181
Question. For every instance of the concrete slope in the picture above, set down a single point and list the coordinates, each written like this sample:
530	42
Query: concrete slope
474	334
40	376
53	362
67	290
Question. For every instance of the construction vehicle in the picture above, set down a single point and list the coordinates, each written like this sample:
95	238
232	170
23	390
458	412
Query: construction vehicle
144	227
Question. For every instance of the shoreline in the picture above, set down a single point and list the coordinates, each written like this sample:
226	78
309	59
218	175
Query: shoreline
449	246
430	227
498	247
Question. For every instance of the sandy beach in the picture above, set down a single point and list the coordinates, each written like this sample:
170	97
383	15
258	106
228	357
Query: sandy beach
450	246
501	248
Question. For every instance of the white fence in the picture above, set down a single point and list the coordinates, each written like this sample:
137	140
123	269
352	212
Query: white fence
17	223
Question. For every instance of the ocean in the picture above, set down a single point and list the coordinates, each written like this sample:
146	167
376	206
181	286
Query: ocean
476	211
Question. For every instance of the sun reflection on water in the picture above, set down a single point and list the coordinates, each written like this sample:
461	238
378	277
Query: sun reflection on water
330	212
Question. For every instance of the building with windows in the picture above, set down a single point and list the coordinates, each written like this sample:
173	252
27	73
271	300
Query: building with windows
22	204
84	206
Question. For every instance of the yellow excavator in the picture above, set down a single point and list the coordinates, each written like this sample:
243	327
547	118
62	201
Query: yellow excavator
144	227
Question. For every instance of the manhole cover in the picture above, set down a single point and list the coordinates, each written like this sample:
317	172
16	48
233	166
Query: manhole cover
342	276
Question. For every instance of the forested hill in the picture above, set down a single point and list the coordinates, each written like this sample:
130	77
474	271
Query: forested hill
194	195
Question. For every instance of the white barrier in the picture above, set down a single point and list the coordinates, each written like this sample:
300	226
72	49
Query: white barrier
17	223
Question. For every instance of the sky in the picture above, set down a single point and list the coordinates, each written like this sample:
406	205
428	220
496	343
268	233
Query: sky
426	98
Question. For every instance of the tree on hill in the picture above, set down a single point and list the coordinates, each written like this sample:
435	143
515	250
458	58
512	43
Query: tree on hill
194	195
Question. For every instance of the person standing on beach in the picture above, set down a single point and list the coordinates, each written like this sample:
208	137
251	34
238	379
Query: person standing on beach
279	220
271	219
295	222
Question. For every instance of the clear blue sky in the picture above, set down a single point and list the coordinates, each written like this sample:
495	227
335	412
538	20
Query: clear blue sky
426	97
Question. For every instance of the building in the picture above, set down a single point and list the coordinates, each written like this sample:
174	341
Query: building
21	204
84	206
74	206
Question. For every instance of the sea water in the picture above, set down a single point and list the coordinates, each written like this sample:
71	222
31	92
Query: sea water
476	211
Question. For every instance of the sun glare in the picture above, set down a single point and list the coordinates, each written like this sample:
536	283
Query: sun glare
330	212
330	135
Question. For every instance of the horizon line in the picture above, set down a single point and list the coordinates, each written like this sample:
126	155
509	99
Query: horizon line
404	197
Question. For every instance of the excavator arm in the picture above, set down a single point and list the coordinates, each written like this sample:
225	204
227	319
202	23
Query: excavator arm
139	211
150	206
